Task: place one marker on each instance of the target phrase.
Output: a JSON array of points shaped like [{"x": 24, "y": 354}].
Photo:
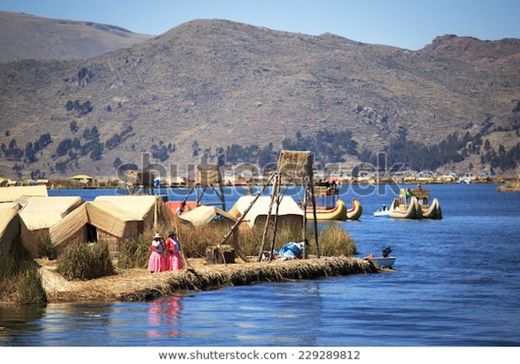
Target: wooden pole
[
  {"x": 155, "y": 217},
  {"x": 266, "y": 226},
  {"x": 221, "y": 197},
  {"x": 305, "y": 220},
  {"x": 237, "y": 223},
  {"x": 313, "y": 200},
  {"x": 188, "y": 195},
  {"x": 222, "y": 193},
  {"x": 186, "y": 264},
  {"x": 202, "y": 194},
  {"x": 278, "y": 201},
  {"x": 236, "y": 245}
]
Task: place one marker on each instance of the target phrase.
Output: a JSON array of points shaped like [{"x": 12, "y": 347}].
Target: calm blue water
[{"x": 456, "y": 283}]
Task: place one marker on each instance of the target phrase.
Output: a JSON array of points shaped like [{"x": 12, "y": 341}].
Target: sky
[{"x": 402, "y": 23}]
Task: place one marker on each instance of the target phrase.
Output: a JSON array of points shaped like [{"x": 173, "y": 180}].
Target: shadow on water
[{"x": 17, "y": 320}]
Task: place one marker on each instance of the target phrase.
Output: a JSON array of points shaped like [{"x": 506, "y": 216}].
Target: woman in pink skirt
[
  {"x": 156, "y": 260},
  {"x": 173, "y": 255}
]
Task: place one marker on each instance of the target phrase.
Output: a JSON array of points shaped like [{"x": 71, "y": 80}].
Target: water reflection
[
  {"x": 164, "y": 314},
  {"x": 18, "y": 319}
]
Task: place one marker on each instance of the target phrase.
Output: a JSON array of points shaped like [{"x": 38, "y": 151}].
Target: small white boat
[
  {"x": 386, "y": 261},
  {"x": 382, "y": 213},
  {"x": 383, "y": 262}
]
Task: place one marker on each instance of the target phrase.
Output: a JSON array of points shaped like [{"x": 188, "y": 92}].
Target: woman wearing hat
[
  {"x": 173, "y": 255},
  {"x": 156, "y": 258}
]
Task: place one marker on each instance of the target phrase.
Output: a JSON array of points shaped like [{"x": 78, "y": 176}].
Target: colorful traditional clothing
[
  {"x": 156, "y": 261},
  {"x": 173, "y": 255}
]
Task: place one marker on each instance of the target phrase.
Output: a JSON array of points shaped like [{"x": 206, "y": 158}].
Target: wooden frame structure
[
  {"x": 208, "y": 176},
  {"x": 293, "y": 167}
]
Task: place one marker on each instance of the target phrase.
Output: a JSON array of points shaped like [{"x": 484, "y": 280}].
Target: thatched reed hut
[
  {"x": 9, "y": 225},
  {"x": 38, "y": 214},
  {"x": 289, "y": 213},
  {"x": 110, "y": 218}
]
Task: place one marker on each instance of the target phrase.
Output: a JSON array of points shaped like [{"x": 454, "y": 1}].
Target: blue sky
[{"x": 402, "y": 23}]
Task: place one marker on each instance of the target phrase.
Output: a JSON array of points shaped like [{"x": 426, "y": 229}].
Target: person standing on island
[
  {"x": 156, "y": 257},
  {"x": 173, "y": 252}
]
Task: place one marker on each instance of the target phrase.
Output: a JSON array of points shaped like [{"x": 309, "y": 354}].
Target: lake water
[{"x": 456, "y": 282}]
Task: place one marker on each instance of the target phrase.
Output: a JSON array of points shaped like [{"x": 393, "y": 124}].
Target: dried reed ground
[{"x": 140, "y": 285}]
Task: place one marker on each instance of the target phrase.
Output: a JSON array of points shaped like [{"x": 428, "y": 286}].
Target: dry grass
[
  {"x": 334, "y": 241},
  {"x": 85, "y": 261},
  {"x": 20, "y": 281},
  {"x": 45, "y": 246}
]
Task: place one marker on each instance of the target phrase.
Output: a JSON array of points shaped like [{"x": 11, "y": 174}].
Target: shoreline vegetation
[
  {"x": 510, "y": 187},
  {"x": 114, "y": 183},
  {"x": 87, "y": 272}
]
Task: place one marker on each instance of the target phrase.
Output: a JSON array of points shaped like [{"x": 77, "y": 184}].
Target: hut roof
[
  {"x": 43, "y": 212},
  {"x": 69, "y": 226},
  {"x": 135, "y": 207},
  {"x": 10, "y": 194},
  {"x": 261, "y": 208},
  {"x": 9, "y": 225},
  {"x": 81, "y": 176},
  {"x": 7, "y": 211},
  {"x": 115, "y": 215},
  {"x": 203, "y": 215}
]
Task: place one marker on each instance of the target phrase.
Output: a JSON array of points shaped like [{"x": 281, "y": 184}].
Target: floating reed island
[
  {"x": 140, "y": 285},
  {"x": 98, "y": 250}
]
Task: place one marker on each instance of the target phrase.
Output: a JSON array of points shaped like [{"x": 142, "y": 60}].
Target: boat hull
[
  {"x": 434, "y": 211},
  {"x": 383, "y": 262},
  {"x": 384, "y": 213},
  {"x": 356, "y": 211},
  {"x": 412, "y": 211},
  {"x": 339, "y": 212}
]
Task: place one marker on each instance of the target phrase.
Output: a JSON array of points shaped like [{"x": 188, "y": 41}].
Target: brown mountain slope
[
  {"x": 25, "y": 36},
  {"x": 217, "y": 83}
]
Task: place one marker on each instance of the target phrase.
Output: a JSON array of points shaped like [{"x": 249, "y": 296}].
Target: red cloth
[
  {"x": 164, "y": 263},
  {"x": 175, "y": 261},
  {"x": 173, "y": 257}
]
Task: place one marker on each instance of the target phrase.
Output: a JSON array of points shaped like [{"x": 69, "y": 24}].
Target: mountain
[
  {"x": 215, "y": 85},
  {"x": 24, "y": 36}
]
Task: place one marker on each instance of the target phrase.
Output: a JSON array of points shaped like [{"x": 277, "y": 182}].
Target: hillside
[
  {"x": 25, "y": 36},
  {"x": 214, "y": 83}
]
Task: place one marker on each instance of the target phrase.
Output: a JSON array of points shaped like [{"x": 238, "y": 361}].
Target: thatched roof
[
  {"x": 203, "y": 215},
  {"x": 43, "y": 212},
  {"x": 10, "y": 194},
  {"x": 9, "y": 225},
  {"x": 288, "y": 207}
]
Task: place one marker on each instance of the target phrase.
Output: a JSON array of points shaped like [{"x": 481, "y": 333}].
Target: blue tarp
[{"x": 291, "y": 250}]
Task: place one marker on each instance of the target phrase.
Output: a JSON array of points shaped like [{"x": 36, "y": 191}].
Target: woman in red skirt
[{"x": 173, "y": 255}]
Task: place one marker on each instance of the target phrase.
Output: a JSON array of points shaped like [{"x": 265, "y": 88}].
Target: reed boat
[
  {"x": 402, "y": 210},
  {"x": 330, "y": 207},
  {"x": 354, "y": 213},
  {"x": 415, "y": 204}
]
